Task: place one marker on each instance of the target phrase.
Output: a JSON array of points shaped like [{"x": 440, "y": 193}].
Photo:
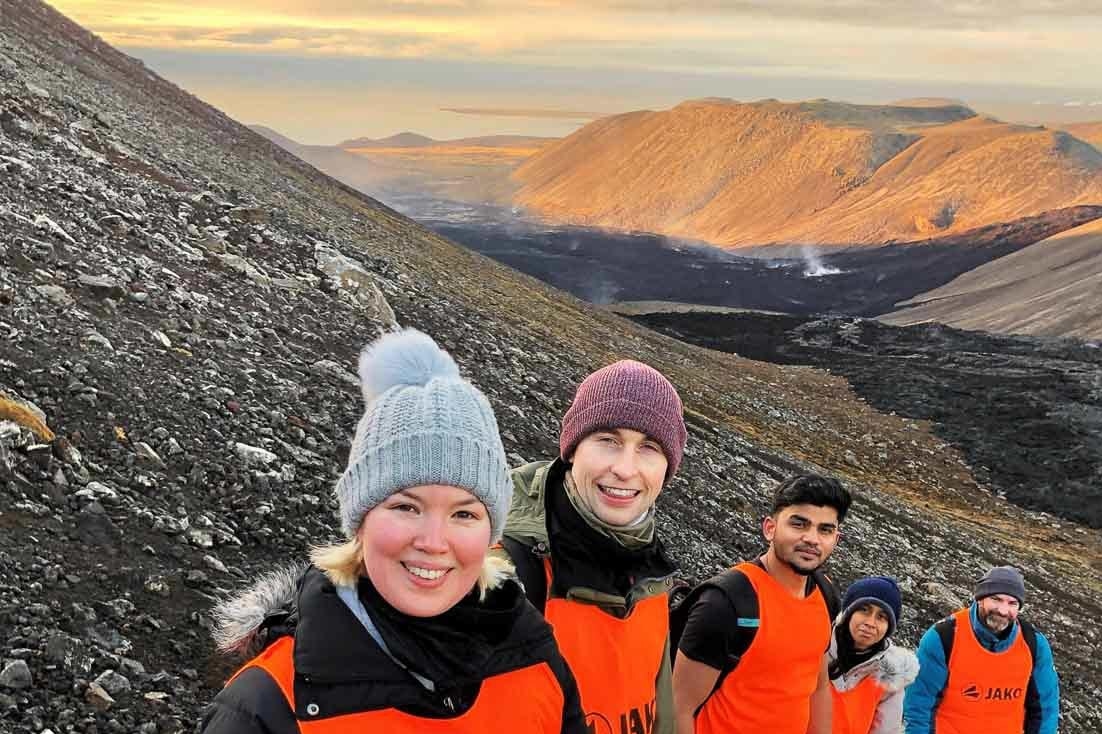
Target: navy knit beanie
[{"x": 882, "y": 591}]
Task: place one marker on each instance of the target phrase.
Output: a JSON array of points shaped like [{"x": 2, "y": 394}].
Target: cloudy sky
[{"x": 324, "y": 70}]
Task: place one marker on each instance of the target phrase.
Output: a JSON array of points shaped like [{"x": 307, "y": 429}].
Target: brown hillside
[
  {"x": 401, "y": 140},
  {"x": 467, "y": 169},
  {"x": 927, "y": 102},
  {"x": 238, "y": 331},
  {"x": 1049, "y": 288},
  {"x": 1088, "y": 131},
  {"x": 816, "y": 172}
]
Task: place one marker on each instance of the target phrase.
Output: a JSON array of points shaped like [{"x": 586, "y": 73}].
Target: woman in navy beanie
[{"x": 867, "y": 671}]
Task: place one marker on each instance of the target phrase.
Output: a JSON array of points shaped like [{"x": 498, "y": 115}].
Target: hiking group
[{"x": 468, "y": 597}]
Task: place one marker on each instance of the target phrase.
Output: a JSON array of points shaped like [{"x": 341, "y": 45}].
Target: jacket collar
[
  {"x": 586, "y": 562},
  {"x": 338, "y": 665},
  {"x": 244, "y": 623},
  {"x": 894, "y": 668},
  {"x": 527, "y": 522},
  {"x": 329, "y": 640}
]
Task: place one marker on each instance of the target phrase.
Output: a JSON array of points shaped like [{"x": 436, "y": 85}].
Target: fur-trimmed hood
[
  {"x": 342, "y": 667},
  {"x": 894, "y": 668},
  {"x": 243, "y": 620}
]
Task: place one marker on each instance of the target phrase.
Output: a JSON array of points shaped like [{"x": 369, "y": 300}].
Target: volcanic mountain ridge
[
  {"x": 182, "y": 303},
  {"x": 821, "y": 172}
]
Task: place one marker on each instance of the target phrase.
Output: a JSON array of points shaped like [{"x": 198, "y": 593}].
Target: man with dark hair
[
  {"x": 752, "y": 656},
  {"x": 985, "y": 669}
]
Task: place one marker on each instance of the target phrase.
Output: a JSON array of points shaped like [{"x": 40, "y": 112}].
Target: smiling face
[
  {"x": 423, "y": 547},
  {"x": 998, "y": 611},
  {"x": 868, "y": 625},
  {"x": 618, "y": 473},
  {"x": 802, "y": 536}
]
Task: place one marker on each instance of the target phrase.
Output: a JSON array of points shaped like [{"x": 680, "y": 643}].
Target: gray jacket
[{"x": 894, "y": 669}]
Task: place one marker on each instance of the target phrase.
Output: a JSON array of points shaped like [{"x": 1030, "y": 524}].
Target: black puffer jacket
[{"x": 340, "y": 669}]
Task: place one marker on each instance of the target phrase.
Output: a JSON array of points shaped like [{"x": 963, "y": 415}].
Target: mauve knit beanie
[{"x": 627, "y": 394}]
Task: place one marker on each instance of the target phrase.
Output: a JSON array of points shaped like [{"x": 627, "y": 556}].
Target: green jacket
[{"x": 527, "y": 527}]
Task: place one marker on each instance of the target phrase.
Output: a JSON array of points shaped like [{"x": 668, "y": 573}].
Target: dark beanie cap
[{"x": 1002, "y": 580}]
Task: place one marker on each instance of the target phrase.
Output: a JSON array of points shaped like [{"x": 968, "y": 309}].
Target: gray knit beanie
[
  {"x": 1002, "y": 580},
  {"x": 424, "y": 424}
]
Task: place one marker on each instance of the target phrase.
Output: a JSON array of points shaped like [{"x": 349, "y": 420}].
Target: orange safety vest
[
  {"x": 615, "y": 661},
  {"x": 985, "y": 690},
  {"x": 855, "y": 709},
  {"x": 528, "y": 700},
  {"x": 770, "y": 690}
]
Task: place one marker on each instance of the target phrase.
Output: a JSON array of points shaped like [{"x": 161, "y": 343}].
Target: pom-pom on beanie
[{"x": 423, "y": 424}]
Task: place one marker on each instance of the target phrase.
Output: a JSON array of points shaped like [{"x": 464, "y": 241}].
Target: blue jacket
[{"x": 1042, "y": 703}]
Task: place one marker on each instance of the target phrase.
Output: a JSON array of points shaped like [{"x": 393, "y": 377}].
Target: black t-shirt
[{"x": 712, "y": 630}]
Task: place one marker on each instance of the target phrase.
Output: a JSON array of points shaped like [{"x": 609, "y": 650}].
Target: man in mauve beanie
[
  {"x": 627, "y": 394},
  {"x": 581, "y": 533}
]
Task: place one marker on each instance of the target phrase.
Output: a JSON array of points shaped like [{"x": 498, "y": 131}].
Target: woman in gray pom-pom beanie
[{"x": 409, "y": 624}]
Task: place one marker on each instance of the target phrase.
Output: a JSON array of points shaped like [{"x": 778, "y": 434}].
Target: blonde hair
[{"x": 344, "y": 565}]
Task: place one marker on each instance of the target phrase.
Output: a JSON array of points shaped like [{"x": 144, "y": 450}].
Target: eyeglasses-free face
[{"x": 423, "y": 547}]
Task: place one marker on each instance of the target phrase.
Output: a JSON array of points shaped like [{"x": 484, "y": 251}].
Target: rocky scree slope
[{"x": 181, "y": 305}]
